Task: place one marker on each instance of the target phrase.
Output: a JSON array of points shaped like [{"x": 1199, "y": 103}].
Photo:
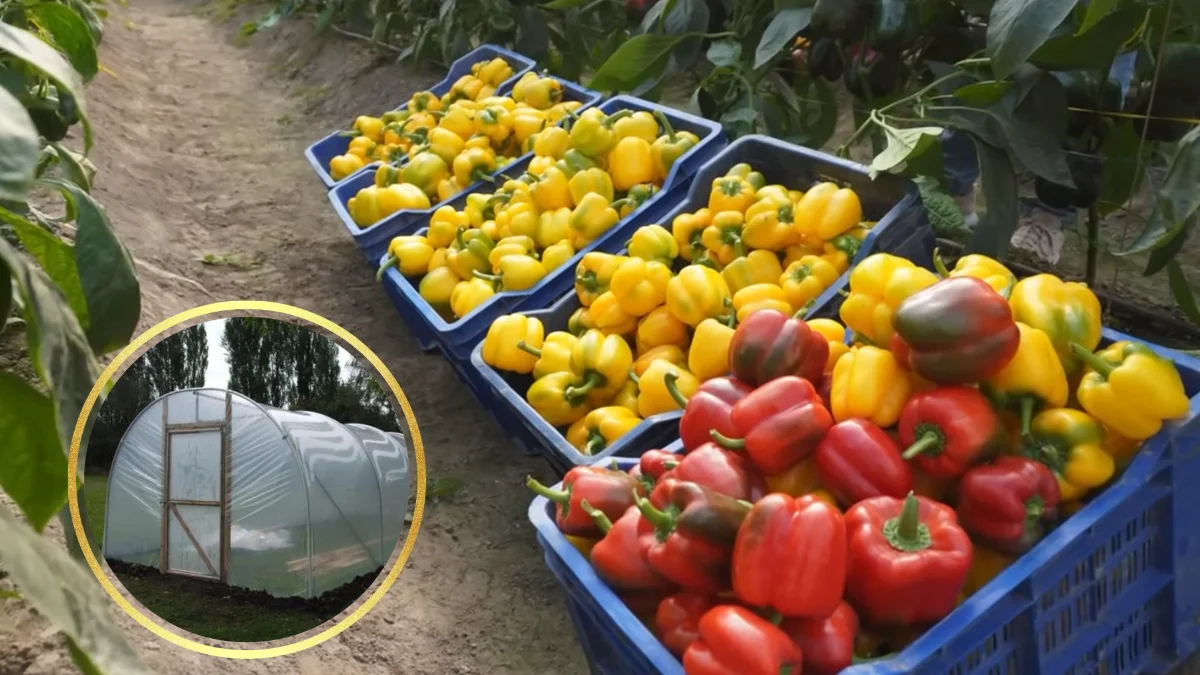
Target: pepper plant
[{"x": 68, "y": 287}]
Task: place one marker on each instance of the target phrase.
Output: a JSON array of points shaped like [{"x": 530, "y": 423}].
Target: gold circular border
[{"x": 263, "y": 652}]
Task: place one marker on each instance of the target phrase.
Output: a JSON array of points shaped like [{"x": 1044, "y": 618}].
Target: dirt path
[{"x": 200, "y": 150}]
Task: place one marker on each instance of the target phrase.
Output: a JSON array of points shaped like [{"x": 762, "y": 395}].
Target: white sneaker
[{"x": 966, "y": 204}]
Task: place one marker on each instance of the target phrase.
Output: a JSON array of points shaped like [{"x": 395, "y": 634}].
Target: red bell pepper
[
  {"x": 644, "y": 604},
  {"x": 655, "y": 464},
  {"x": 695, "y": 534},
  {"x": 778, "y": 425},
  {"x": 948, "y": 430},
  {"x": 678, "y": 619},
  {"x": 857, "y": 460},
  {"x": 770, "y": 344},
  {"x": 608, "y": 490},
  {"x": 736, "y": 641},
  {"x": 723, "y": 471},
  {"x": 908, "y": 560},
  {"x": 828, "y": 644},
  {"x": 1008, "y": 503},
  {"x": 825, "y": 390},
  {"x": 790, "y": 556},
  {"x": 620, "y": 557},
  {"x": 709, "y": 408},
  {"x": 958, "y": 331}
]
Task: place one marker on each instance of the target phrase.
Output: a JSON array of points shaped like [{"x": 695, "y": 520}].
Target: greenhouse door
[{"x": 195, "y": 539}]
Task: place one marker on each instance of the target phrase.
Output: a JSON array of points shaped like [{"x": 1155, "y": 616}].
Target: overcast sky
[{"x": 217, "y": 374}]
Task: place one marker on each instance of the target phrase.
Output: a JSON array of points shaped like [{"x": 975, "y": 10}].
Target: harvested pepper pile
[
  {"x": 584, "y": 177},
  {"x": 646, "y": 336},
  {"x": 835, "y": 499}
]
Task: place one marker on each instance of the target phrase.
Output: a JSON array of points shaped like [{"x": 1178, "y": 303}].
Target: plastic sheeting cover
[{"x": 389, "y": 456}]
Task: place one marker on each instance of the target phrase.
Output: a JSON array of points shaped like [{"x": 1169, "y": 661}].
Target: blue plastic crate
[
  {"x": 457, "y": 338},
  {"x": 901, "y": 230},
  {"x": 373, "y": 240},
  {"x": 318, "y": 154},
  {"x": 1106, "y": 593}
]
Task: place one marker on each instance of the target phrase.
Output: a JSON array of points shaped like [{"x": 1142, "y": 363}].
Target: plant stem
[{"x": 1093, "y": 246}]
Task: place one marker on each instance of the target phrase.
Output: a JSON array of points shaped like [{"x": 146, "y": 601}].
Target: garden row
[{"x": 611, "y": 279}]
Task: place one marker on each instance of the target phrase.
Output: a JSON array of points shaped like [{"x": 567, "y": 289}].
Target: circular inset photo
[{"x": 247, "y": 479}]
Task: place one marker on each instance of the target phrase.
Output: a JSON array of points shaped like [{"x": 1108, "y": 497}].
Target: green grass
[{"x": 95, "y": 493}]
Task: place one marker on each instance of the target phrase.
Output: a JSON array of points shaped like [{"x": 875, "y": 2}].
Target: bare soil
[{"x": 200, "y": 141}]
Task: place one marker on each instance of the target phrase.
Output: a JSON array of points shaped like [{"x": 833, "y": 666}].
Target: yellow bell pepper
[
  {"x": 1032, "y": 379},
  {"x": 511, "y": 245},
  {"x": 439, "y": 258},
  {"x": 599, "y": 364},
  {"x": 748, "y": 174},
  {"x": 986, "y": 564},
  {"x": 424, "y": 101},
  {"x": 580, "y": 322},
  {"x": 539, "y": 165},
  {"x": 1067, "y": 311},
  {"x": 495, "y": 72},
  {"x": 592, "y": 133},
  {"x": 826, "y": 211},
  {"x": 723, "y": 238},
  {"x": 594, "y": 274},
  {"x": 797, "y": 251},
  {"x": 468, "y": 295},
  {"x": 479, "y": 141},
  {"x": 516, "y": 272},
  {"x": 758, "y": 297},
  {"x": 654, "y": 242},
  {"x": 630, "y": 163},
  {"x": 769, "y": 224},
  {"x": 473, "y": 165},
  {"x": 445, "y": 144},
  {"x": 557, "y": 255},
  {"x": 410, "y": 254},
  {"x": 593, "y": 216},
  {"x": 370, "y": 127},
  {"x": 772, "y": 194},
  {"x": 1071, "y": 443},
  {"x": 590, "y": 181},
  {"x": 1130, "y": 389},
  {"x": 663, "y": 387},
  {"x": 825, "y": 497},
  {"x": 523, "y": 220},
  {"x": 361, "y": 147},
  {"x": 806, "y": 279},
  {"x": 496, "y": 123},
  {"x": 552, "y": 356},
  {"x": 490, "y": 228},
  {"x": 671, "y": 353},
  {"x": 437, "y": 288},
  {"x": 979, "y": 266},
  {"x": 627, "y": 397},
  {"x": 799, "y": 480},
  {"x": 443, "y": 226},
  {"x": 552, "y": 142},
  {"x": 526, "y": 123},
  {"x": 608, "y": 316},
  {"x": 522, "y": 85},
  {"x": 668, "y": 148},
  {"x": 640, "y": 124},
  {"x": 552, "y": 190},
  {"x": 698, "y": 293},
  {"x": 660, "y": 328},
  {"x": 835, "y": 333},
  {"x": 553, "y": 227},
  {"x": 460, "y": 121},
  {"x": 549, "y": 398},
  {"x": 708, "y": 356},
  {"x": 344, "y": 165},
  {"x": 478, "y": 209},
  {"x": 640, "y": 286},
  {"x": 756, "y": 267},
  {"x": 373, "y": 204},
  {"x": 688, "y": 230},
  {"x": 840, "y": 251},
  {"x": 731, "y": 193},
  {"x": 544, "y": 92},
  {"x": 869, "y": 383},
  {"x": 470, "y": 252},
  {"x": 501, "y": 348},
  {"x": 601, "y": 428},
  {"x": 877, "y": 287}
]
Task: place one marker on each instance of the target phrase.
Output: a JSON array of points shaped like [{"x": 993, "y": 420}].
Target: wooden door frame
[{"x": 224, "y": 427}]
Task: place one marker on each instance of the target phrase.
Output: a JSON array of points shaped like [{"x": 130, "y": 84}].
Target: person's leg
[{"x": 961, "y": 168}]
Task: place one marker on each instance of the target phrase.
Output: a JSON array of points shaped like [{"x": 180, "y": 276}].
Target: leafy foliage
[{"x": 278, "y": 363}]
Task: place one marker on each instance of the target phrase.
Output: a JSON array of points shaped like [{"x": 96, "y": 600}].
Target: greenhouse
[{"x": 207, "y": 483}]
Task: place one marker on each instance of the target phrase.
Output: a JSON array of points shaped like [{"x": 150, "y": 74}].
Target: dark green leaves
[
  {"x": 982, "y": 94},
  {"x": 56, "y": 257},
  {"x": 1182, "y": 292},
  {"x": 723, "y": 53},
  {"x": 903, "y": 144},
  {"x": 997, "y": 224},
  {"x": 18, "y": 148},
  {"x": 780, "y": 32},
  {"x": 1018, "y": 27},
  {"x": 70, "y": 34},
  {"x": 634, "y": 61},
  {"x": 1121, "y": 172},
  {"x": 1177, "y": 201},
  {"x": 29, "y": 48},
  {"x": 1094, "y": 48},
  {"x": 33, "y": 469}
]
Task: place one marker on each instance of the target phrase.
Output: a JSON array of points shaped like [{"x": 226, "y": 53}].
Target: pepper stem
[
  {"x": 574, "y": 393},
  {"x": 620, "y": 114},
  {"x": 727, "y": 442},
  {"x": 802, "y": 313},
  {"x": 1104, "y": 368},
  {"x": 661, "y": 520},
  {"x": 1035, "y": 508},
  {"x": 556, "y": 496},
  {"x": 776, "y": 618},
  {"x": 595, "y": 444},
  {"x": 669, "y": 381},
  {"x": 531, "y": 350},
  {"x": 906, "y": 532},
  {"x": 388, "y": 263},
  {"x": 666, "y": 124},
  {"x": 1008, "y": 288},
  {"x": 458, "y": 237},
  {"x": 494, "y": 278},
  {"x": 927, "y": 441},
  {"x": 1028, "y": 403},
  {"x": 939, "y": 265},
  {"x": 602, "y": 522},
  {"x": 633, "y": 377}
]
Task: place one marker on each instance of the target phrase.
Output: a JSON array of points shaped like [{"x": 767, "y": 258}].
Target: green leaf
[
  {"x": 57, "y": 344},
  {"x": 9, "y": 595},
  {"x": 902, "y": 144},
  {"x": 1016, "y": 28},
  {"x": 564, "y": 4},
  {"x": 982, "y": 94},
  {"x": 724, "y": 53},
  {"x": 633, "y": 61},
  {"x": 1093, "y": 49},
  {"x": 780, "y": 33},
  {"x": 67, "y": 595},
  {"x": 6, "y": 295},
  {"x": 73, "y": 167},
  {"x": 33, "y": 465},
  {"x": 943, "y": 212},
  {"x": 690, "y": 19},
  {"x": 1182, "y": 292},
  {"x": 446, "y": 486},
  {"x": 71, "y": 35},
  {"x": 1121, "y": 175},
  {"x": 1178, "y": 199},
  {"x": 56, "y": 257},
  {"x": 1097, "y": 10},
  {"x": 93, "y": 20},
  {"x": 324, "y": 19},
  {"x": 18, "y": 148},
  {"x": 29, "y": 48},
  {"x": 996, "y": 226},
  {"x": 1161, "y": 256},
  {"x": 533, "y": 35},
  {"x": 652, "y": 17},
  {"x": 106, "y": 272}
]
